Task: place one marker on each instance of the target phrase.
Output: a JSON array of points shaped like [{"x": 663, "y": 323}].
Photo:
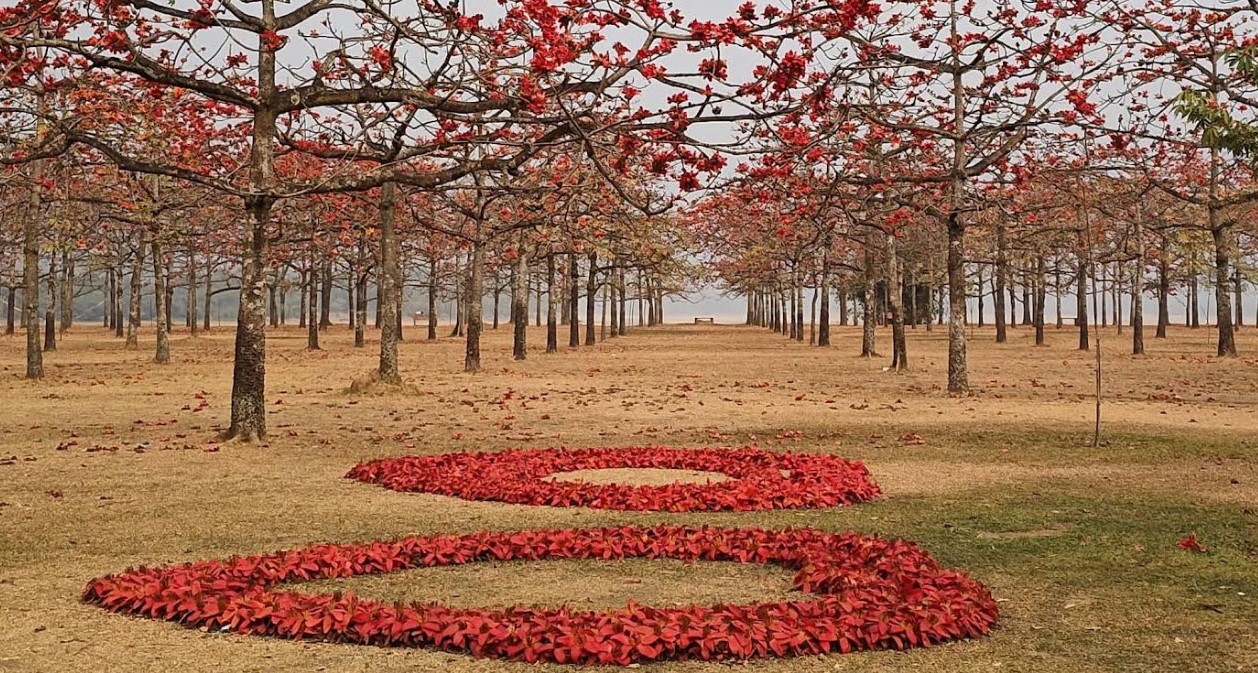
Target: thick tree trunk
[
  {"x": 432, "y": 300},
  {"x": 1041, "y": 297},
  {"x": 111, "y": 284},
  {"x": 312, "y": 306},
  {"x": 137, "y": 277},
  {"x": 1164, "y": 289},
  {"x": 823, "y": 330},
  {"x": 50, "y": 309},
  {"x": 574, "y": 301},
  {"x": 620, "y": 292},
  {"x": 843, "y": 319},
  {"x": 798, "y": 292},
  {"x": 191, "y": 300},
  {"x": 1137, "y": 301},
  {"x": 325, "y": 295},
  {"x": 520, "y": 304},
  {"x": 591, "y": 294},
  {"x": 1057, "y": 294},
  {"x": 1222, "y": 285},
  {"x": 870, "y": 318},
  {"x": 552, "y": 306},
  {"x": 209, "y": 293},
  {"x": 358, "y": 307},
  {"x": 248, "y": 400},
  {"x": 162, "y": 318},
  {"x": 999, "y": 278},
  {"x": 273, "y": 303},
  {"x": 67, "y": 292},
  {"x": 613, "y": 303},
  {"x": 895, "y": 296},
  {"x": 475, "y": 297},
  {"x": 958, "y": 377},
  {"x": 389, "y": 282},
  {"x": 10, "y": 312}
]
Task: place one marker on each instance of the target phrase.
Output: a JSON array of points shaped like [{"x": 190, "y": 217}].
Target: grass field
[{"x": 113, "y": 462}]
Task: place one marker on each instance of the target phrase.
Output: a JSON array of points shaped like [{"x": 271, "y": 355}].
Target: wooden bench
[
  {"x": 420, "y": 317},
  {"x": 705, "y": 321}
]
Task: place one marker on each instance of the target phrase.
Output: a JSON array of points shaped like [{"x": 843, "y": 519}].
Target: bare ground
[{"x": 114, "y": 462}]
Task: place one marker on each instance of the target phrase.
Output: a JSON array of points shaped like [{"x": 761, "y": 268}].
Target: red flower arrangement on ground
[
  {"x": 759, "y": 479},
  {"x": 869, "y": 594}
]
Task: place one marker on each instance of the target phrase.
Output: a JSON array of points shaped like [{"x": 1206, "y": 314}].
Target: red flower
[
  {"x": 760, "y": 479},
  {"x": 871, "y": 594},
  {"x": 1190, "y": 543}
]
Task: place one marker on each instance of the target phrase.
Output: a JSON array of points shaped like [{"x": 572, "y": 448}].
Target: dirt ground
[{"x": 113, "y": 462}]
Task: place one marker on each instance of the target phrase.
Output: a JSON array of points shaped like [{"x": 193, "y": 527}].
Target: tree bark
[
  {"x": 552, "y": 306},
  {"x": 67, "y": 292},
  {"x": 475, "y": 298},
  {"x": 868, "y": 333},
  {"x": 432, "y": 299},
  {"x": 895, "y": 296},
  {"x": 1164, "y": 289},
  {"x": 162, "y": 318},
  {"x": 520, "y": 303},
  {"x": 312, "y": 306},
  {"x": 209, "y": 293},
  {"x": 999, "y": 278},
  {"x": 50, "y": 308},
  {"x": 137, "y": 278},
  {"x": 389, "y": 281},
  {"x": 574, "y": 301},
  {"x": 191, "y": 300},
  {"x": 1041, "y": 297},
  {"x": 325, "y": 295},
  {"x": 958, "y": 376},
  {"x": 591, "y": 293}
]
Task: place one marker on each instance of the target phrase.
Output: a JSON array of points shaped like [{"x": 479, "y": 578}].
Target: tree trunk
[
  {"x": 248, "y": 416},
  {"x": 432, "y": 299},
  {"x": 999, "y": 278},
  {"x": 1081, "y": 301},
  {"x": 823, "y": 330},
  {"x": 312, "y": 307},
  {"x": 520, "y": 303},
  {"x": 389, "y": 281},
  {"x": 1164, "y": 289},
  {"x": 1041, "y": 297},
  {"x": 475, "y": 297},
  {"x": 191, "y": 308},
  {"x": 1222, "y": 282},
  {"x": 325, "y": 296},
  {"x": 1137, "y": 298},
  {"x": 67, "y": 292},
  {"x": 10, "y": 312},
  {"x": 591, "y": 293},
  {"x": 358, "y": 307},
  {"x": 620, "y": 292},
  {"x": 50, "y": 309},
  {"x": 162, "y": 317},
  {"x": 958, "y": 377},
  {"x": 574, "y": 301},
  {"x": 137, "y": 271},
  {"x": 209, "y": 293},
  {"x": 868, "y": 332},
  {"x": 895, "y": 296},
  {"x": 552, "y": 306}
]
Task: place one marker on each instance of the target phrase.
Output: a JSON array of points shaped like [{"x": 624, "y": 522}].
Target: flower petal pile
[
  {"x": 869, "y": 593},
  {"x": 759, "y": 479}
]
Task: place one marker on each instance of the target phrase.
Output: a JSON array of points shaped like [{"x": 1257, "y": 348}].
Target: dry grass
[{"x": 130, "y": 450}]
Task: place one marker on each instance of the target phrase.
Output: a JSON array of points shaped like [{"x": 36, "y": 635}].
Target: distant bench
[{"x": 705, "y": 321}]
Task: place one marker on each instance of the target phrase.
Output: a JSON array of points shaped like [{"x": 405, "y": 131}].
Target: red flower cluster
[
  {"x": 870, "y": 593},
  {"x": 760, "y": 479}
]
